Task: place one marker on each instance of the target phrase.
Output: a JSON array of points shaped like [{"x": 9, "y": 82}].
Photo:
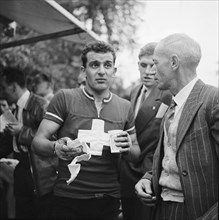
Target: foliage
[
  {"x": 115, "y": 19},
  {"x": 59, "y": 58}
]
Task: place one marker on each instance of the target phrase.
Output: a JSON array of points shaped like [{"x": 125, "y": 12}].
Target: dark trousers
[
  {"x": 28, "y": 205},
  {"x": 3, "y": 202},
  {"x": 24, "y": 189},
  {"x": 44, "y": 206},
  {"x": 134, "y": 209},
  {"x": 170, "y": 211},
  {"x": 106, "y": 208}
]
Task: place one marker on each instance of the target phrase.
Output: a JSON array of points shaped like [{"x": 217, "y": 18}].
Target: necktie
[
  {"x": 140, "y": 100},
  {"x": 169, "y": 115},
  {"x": 16, "y": 112},
  {"x": 143, "y": 96},
  {"x": 15, "y": 144}
]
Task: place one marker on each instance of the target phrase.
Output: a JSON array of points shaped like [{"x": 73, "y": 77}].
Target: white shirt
[
  {"x": 21, "y": 103},
  {"x": 183, "y": 94},
  {"x": 139, "y": 100}
]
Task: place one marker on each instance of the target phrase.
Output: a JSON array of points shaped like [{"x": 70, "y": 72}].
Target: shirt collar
[
  {"x": 148, "y": 89},
  {"x": 143, "y": 87},
  {"x": 22, "y": 101},
  {"x": 90, "y": 96},
  {"x": 183, "y": 94}
]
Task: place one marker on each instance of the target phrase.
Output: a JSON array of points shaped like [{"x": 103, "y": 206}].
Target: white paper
[
  {"x": 6, "y": 118},
  {"x": 113, "y": 134},
  {"x": 11, "y": 162},
  {"x": 74, "y": 167}
]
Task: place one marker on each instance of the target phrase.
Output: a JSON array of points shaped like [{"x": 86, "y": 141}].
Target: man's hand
[
  {"x": 67, "y": 149},
  {"x": 144, "y": 192},
  {"x": 13, "y": 128},
  {"x": 123, "y": 141}
]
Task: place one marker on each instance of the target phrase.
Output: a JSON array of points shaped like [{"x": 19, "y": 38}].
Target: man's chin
[
  {"x": 149, "y": 84},
  {"x": 100, "y": 88}
]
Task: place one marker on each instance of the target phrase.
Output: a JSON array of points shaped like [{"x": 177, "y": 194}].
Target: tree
[
  {"x": 59, "y": 58},
  {"x": 114, "y": 19}
]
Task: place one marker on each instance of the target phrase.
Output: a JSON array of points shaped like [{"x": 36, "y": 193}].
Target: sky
[{"x": 198, "y": 19}]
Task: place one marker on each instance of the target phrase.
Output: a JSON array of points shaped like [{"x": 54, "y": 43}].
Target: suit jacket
[
  {"x": 147, "y": 124},
  {"x": 43, "y": 168},
  {"x": 197, "y": 153},
  {"x": 33, "y": 114}
]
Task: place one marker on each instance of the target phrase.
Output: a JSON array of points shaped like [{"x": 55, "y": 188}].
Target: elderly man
[{"x": 184, "y": 178}]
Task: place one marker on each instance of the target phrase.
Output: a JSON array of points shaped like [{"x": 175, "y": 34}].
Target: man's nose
[
  {"x": 153, "y": 70},
  {"x": 148, "y": 69},
  {"x": 101, "y": 70}
]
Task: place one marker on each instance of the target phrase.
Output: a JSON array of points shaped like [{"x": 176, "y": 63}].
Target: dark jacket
[
  {"x": 196, "y": 153},
  {"x": 147, "y": 125}
]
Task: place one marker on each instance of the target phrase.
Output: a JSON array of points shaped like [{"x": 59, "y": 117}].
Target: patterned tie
[{"x": 169, "y": 115}]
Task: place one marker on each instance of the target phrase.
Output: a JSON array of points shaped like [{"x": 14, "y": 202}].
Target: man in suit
[
  {"x": 184, "y": 178},
  {"x": 29, "y": 113},
  {"x": 149, "y": 111}
]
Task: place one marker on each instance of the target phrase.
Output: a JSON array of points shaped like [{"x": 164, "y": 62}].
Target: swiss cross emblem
[{"x": 96, "y": 137}]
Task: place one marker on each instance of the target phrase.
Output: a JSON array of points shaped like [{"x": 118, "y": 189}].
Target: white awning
[{"x": 46, "y": 17}]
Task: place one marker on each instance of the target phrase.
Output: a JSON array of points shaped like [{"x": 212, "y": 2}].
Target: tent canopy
[{"x": 46, "y": 17}]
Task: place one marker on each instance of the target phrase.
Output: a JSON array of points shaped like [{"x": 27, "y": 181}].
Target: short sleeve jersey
[{"x": 74, "y": 109}]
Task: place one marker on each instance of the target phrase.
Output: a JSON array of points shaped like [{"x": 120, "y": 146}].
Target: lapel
[
  {"x": 157, "y": 161},
  {"x": 30, "y": 102},
  {"x": 148, "y": 109},
  {"x": 192, "y": 105},
  {"x": 135, "y": 93}
]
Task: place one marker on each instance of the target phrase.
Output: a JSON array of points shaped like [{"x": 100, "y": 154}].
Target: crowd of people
[{"x": 86, "y": 153}]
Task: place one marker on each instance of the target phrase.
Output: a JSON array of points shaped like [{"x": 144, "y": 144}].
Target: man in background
[
  {"x": 43, "y": 85},
  {"x": 184, "y": 180},
  {"x": 81, "y": 80},
  {"x": 30, "y": 110},
  {"x": 45, "y": 169},
  {"x": 7, "y": 200},
  {"x": 149, "y": 104}
]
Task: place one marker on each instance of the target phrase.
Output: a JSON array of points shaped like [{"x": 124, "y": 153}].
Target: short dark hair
[
  {"x": 41, "y": 77},
  {"x": 97, "y": 47},
  {"x": 14, "y": 74},
  {"x": 147, "y": 49}
]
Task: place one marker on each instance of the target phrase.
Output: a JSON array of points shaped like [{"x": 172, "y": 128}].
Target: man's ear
[
  {"x": 82, "y": 69},
  {"x": 114, "y": 72},
  {"x": 175, "y": 62},
  {"x": 138, "y": 65}
]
